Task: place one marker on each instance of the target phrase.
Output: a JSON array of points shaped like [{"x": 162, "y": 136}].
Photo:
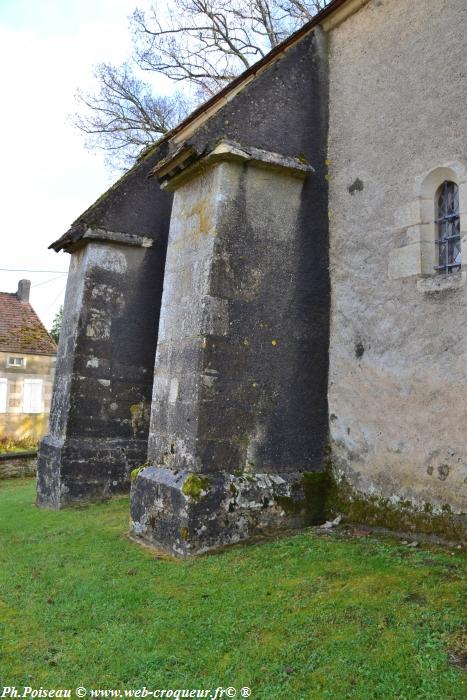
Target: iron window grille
[{"x": 448, "y": 228}]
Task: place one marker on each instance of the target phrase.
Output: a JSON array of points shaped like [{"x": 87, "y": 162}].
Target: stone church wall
[
  {"x": 398, "y": 358},
  {"x": 290, "y": 323}
]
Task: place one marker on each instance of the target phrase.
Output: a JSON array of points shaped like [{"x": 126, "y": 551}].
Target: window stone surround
[{"x": 417, "y": 256}]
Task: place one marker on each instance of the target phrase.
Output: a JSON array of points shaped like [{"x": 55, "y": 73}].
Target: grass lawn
[{"x": 308, "y": 616}]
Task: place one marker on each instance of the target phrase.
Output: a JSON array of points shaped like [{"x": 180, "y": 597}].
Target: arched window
[
  {"x": 435, "y": 227},
  {"x": 448, "y": 236}
]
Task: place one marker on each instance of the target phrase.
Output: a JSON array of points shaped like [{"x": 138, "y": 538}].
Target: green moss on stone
[
  {"x": 195, "y": 485},
  {"x": 317, "y": 487},
  {"x": 311, "y": 497},
  {"x": 139, "y": 415},
  {"x": 403, "y": 516},
  {"x": 184, "y": 533},
  {"x": 291, "y": 506},
  {"x": 137, "y": 471}
]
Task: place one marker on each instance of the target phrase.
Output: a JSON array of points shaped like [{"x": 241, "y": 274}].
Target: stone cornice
[
  {"x": 185, "y": 162},
  {"x": 101, "y": 234}
]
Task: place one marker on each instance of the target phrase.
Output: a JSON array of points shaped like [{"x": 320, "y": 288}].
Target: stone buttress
[
  {"x": 102, "y": 394},
  {"x": 228, "y": 455}
]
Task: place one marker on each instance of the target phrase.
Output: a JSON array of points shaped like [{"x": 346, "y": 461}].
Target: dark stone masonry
[
  {"x": 238, "y": 380},
  {"x": 201, "y": 342}
]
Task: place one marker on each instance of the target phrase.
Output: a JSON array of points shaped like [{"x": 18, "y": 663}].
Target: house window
[
  {"x": 32, "y": 396},
  {"x": 447, "y": 221},
  {"x": 16, "y": 362},
  {"x": 3, "y": 387}
]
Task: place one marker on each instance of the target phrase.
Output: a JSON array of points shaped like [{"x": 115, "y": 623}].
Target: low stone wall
[{"x": 18, "y": 464}]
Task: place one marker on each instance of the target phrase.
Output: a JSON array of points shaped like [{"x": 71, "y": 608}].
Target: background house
[{"x": 27, "y": 363}]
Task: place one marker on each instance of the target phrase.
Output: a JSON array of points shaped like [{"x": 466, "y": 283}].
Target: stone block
[
  {"x": 408, "y": 215},
  {"x": 405, "y": 262},
  {"x": 421, "y": 233},
  {"x": 230, "y": 395},
  {"x": 442, "y": 283},
  {"x": 83, "y": 470},
  {"x": 100, "y": 409},
  {"x": 186, "y": 513},
  {"x": 428, "y": 253}
]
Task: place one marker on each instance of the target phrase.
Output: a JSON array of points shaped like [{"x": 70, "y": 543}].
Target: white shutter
[
  {"x": 32, "y": 396},
  {"x": 3, "y": 386}
]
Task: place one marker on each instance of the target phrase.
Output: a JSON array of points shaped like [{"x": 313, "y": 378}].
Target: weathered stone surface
[
  {"x": 96, "y": 397},
  {"x": 189, "y": 513},
  {"x": 241, "y": 375},
  {"x": 132, "y": 206},
  {"x": 102, "y": 394},
  {"x": 227, "y": 380},
  {"x": 186, "y": 162},
  {"x": 232, "y": 384},
  {"x": 399, "y": 407},
  {"x": 17, "y": 465}
]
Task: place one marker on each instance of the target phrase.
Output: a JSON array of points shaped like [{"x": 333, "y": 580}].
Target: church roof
[
  {"x": 331, "y": 15},
  {"x": 191, "y": 123},
  {"x": 20, "y": 328}
]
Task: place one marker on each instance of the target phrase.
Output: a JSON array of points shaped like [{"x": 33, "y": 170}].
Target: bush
[{"x": 10, "y": 444}]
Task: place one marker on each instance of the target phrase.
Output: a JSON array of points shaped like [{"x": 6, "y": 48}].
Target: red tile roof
[{"x": 21, "y": 329}]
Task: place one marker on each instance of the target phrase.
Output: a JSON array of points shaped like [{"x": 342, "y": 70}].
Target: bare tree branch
[
  {"x": 302, "y": 10},
  {"x": 124, "y": 116},
  {"x": 202, "y": 43}
]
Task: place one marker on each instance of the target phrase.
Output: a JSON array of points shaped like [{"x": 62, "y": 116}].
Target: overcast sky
[{"x": 47, "y": 178}]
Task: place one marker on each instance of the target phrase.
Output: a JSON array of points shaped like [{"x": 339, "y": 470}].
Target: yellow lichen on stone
[
  {"x": 139, "y": 416},
  {"x": 201, "y": 210}
]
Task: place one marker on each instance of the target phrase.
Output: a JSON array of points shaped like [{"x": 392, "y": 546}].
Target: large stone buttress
[
  {"x": 228, "y": 451},
  {"x": 103, "y": 383}
]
